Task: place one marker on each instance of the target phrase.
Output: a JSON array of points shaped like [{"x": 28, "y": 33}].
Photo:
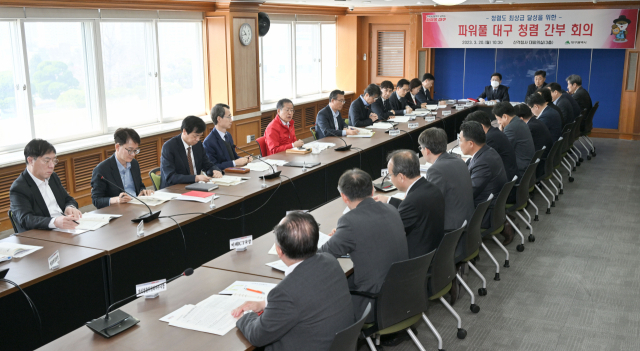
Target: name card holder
[
  {"x": 413, "y": 125},
  {"x": 394, "y": 132},
  {"x": 241, "y": 243}
]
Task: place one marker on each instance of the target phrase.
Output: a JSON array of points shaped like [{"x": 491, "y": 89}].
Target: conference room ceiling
[{"x": 390, "y": 3}]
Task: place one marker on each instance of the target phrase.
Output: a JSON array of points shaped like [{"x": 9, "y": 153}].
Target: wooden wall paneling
[
  {"x": 245, "y": 71},
  {"x": 217, "y": 65},
  {"x": 347, "y": 52},
  {"x": 310, "y": 114},
  {"x": 83, "y": 166},
  {"x": 376, "y": 29},
  {"x": 249, "y": 126},
  {"x": 7, "y": 177},
  {"x": 265, "y": 119},
  {"x": 297, "y": 119}
]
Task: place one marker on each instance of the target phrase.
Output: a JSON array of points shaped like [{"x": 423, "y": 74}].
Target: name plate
[
  {"x": 151, "y": 289},
  {"x": 241, "y": 243},
  {"x": 413, "y": 125},
  {"x": 140, "y": 229},
  {"x": 384, "y": 172},
  {"x": 394, "y": 132},
  {"x": 446, "y": 113},
  {"x": 54, "y": 260},
  {"x": 429, "y": 118}
]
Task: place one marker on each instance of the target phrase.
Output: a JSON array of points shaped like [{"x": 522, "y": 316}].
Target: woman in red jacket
[{"x": 280, "y": 134}]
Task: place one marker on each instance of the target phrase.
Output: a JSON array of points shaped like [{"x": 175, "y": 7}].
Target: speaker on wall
[{"x": 263, "y": 23}]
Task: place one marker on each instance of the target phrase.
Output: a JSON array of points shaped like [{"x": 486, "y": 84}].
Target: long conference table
[{"x": 198, "y": 235}]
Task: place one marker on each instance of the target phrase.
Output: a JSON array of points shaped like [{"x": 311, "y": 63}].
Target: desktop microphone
[
  {"x": 388, "y": 186},
  {"x": 343, "y": 148},
  {"x": 146, "y": 217},
  {"x": 273, "y": 174},
  {"x": 120, "y": 320}
]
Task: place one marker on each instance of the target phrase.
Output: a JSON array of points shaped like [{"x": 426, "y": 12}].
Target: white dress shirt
[
  {"x": 193, "y": 160},
  {"x": 49, "y": 198}
]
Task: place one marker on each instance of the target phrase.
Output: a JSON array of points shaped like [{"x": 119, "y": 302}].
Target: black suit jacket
[
  {"x": 583, "y": 98},
  {"x": 566, "y": 109},
  {"x": 101, "y": 191},
  {"x": 424, "y": 95},
  {"x": 574, "y": 104},
  {"x": 382, "y": 109},
  {"x": 487, "y": 177},
  {"x": 305, "y": 310},
  {"x": 541, "y": 137},
  {"x": 27, "y": 204},
  {"x": 326, "y": 126},
  {"x": 422, "y": 213},
  {"x": 411, "y": 102},
  {"x": 502, "y": 94},
  {"x": 216, "y": 150},
  {"x": 532, "y": 89},
  {"x": 559, "y": 111},
  {"x": 174, "y": 166},
  {"x": 500, "y": 142},
  {"x": 552, "y": 120},
  {"x": 359, "y": 114},
  {"x": 398, "y": 104}
]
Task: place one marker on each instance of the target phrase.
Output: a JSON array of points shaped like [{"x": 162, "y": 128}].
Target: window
[
  {"x": 182, "y": 78},
  {"x": 297, "y": 59},
  {"x": 81, "y": 76}
]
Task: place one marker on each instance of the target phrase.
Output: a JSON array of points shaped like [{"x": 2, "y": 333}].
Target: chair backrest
[
  {"x": 568, "y": 130},
  {"x": 474, "y": 229},
  {"x": 443, "y": 267},
  {"x": 346, "y": 121},
  {"x": 538, "y": 154},
  {"x": 551, "y": 156},
  {"x": 498, "y": 213},
  {"x": 522, "y": 190},
  {"x": 575, "y": 133},
  {"x": 313, "y": 131},
  {"x": 13, "y": 224},
  {"x": 347, "y": 339},
  {"x": 557, "y": 156},
  {"x": 588, "y": 123},
  {"x": 262, "y": 144},
  {"x": 402, "y": 294},
  {"x": 156, "y": 179}
]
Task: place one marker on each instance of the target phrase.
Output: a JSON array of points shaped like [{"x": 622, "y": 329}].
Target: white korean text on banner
[{"x": 566, "y": 29}]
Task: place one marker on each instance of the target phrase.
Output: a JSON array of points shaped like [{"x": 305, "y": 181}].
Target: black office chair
[
  {"x": 498, "y": 215},
  {"x": 401, "y": 300},
  {"x": 567, "y": 160},
  {"x": 539, "y": 171},
  {"x": 473, "y": 242},
  {"x": 522, "y": 199},
  {"x": 443, "y": 273},
  {"x": 13, "y": 224},
  {"x": 155, "y": 178},
  {"x": 588, "y": 126},
  {"x": 557, "y": 162},
  {"x": 575, "y": 134},
  {"x": 548, "y": 173},
  {"x": 313, "y": 132},
  {"x": 347, "y": 339}
]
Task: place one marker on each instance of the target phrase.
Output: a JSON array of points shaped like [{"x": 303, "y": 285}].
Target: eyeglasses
[
  {"x": 132, "y": 152},
  {"x": 48, "y": 160},
  {"x": 342, "y": 101},
  {"x": 229, "y": 117},
  {"x": 287, "y": 110}
]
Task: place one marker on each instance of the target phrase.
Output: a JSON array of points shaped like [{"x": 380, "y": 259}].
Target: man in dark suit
[
  {"x": 539, "y": 133},
  {"x": 397, "y": 99},
  {"x": 329, "y": 121},
  {"x": 450, "y": 174},
  {"x": 485, "y": 167},
  {"x": 422, "y": 210},
  {"x": 577, "y": 111},
  {"x": 218, "y": 145},
  {"x": 122, "y": 169},
  {"x": 183, "y": 157},
  {"x": 498, "y": 141},
  {"x": 372, "y": 233},
  {"x": 538, "y": 82},
  {"x": 546, "y": 94},
  {"x": 496, "y": 91},
  {"x": 518, "y": 134},
  {"x": 424, "y": 95},
  {"x": 37, "y": 198},
  {"x": 580, "y": 94},
  {"x": 310, "y": 305},
  {"x": 382, "y": 107},
  {"x": 546, "y": 115},
  {"x": 360, "y": 114},
  {"x": 562, "y": 102}
]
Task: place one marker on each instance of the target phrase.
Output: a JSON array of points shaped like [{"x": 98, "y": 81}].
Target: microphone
[
  {"x": 388, "y": 186},
  {"x": 343, "y": 148},
  {"x": 146, "y": 217},
  {"x": 273, "y": 174},
  {"x": 119, "y": 320}
]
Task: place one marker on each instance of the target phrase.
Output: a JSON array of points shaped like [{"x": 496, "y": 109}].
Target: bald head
[{"x": 297, "y": 235}]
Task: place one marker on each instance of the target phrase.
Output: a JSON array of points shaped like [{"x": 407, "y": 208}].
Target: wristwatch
[{"x": 247, "y": 312}]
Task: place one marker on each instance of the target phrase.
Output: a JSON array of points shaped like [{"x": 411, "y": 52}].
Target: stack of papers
[
  {"x": 211, "y": 315},
  {"x": 156, "y": 199},
  {"x": 363, "y": 132},
  {"x": 400, "y": 196},
  {"x": 380, "y": 125},
  {"x": 403, "y": 119},
  {"x": 250, "y": 291},
  {"x": 257, "y": 166},
  {"x": 319, "y": 145},
  {"x": 17, "y": 250},
  {"x": 227, "y": 180},
  {"x": 425, "y": 167},
  {"x": 93, "y": 221},
  {"x": 198, "y": 196}
]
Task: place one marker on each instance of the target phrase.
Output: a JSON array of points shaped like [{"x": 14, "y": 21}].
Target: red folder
[{"x": 201, "y": 194}]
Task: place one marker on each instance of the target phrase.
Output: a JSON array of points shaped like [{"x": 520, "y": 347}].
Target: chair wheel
[
  {"x": 557, "y": 198},
  {"x": 593, "y": 154},
  {"x": 578, "y": 163},
  {"x": 532, "y": 238},
  {"x": 474, "y": 308},
  {"x": 589, "y": 157},
  {"x": 553, "y": 203},
  {"x": 571, "y": 179},
  {"x": 573, "y": 169},
  {"x": 548, "y": 210},
  {"x": 506, "y": 264},
  {"x": 482, "y": 291},
  {"x": 536, "y": 218},
  {"x": 561, "y": 191},
  {"x": 497, "y": 277},
  {"x": 462, "y": 333},
  {"x": 520, "y": 248}
]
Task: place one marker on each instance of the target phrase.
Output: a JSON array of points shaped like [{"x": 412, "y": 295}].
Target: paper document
[
  {"x": 71, "y": 231},
  {"x": 319, "y": 145},
  {"x": 177, "y": 313},
  {"x": 93, "y": 221},
  {"x": 240, "y": 286},
  {"x": 346, "y": 210},
  {"x": 212, "y": 315},
  {"x": 150, "y": 200},
  {"x": 400, "y": 196},
  {"x": 362, "y": 133},
  {"x": 425, "y": 167},
  {"x": 275, "y": 162},
  {"x": 197, "y": 199},
  {"x": 17, "y": 250},
  {"x": 380, "y": 125},
  {"x": 323, "y": 238},
  {"x": 257, "y": 166},
  {"x": 279, "y": 265},
  {"x": 227, "y": 180},
  {"x": 402, "y": 119},
  {"x": 5, "y": 258}
]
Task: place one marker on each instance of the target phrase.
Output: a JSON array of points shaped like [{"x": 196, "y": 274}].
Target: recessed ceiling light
[{"x": 366, "y": 2}]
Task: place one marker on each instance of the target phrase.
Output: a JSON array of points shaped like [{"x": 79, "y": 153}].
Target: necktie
[
  {"x": 190, "y": 161},
  {"x": 386, "y": 105}
]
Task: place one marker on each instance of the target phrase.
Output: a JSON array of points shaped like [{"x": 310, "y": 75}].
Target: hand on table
[
  {"x": 332, "y": 232},
  {"x": 381, "y": 198},
  {"x": 255, "y": 306},
  {"x": 146, "y": 192},
  {"x": 203, "y": 178},
  {"x": 298, "y": 143},
  {"x": 72, "y": 212},
  {"x": 352, "y": 131}
]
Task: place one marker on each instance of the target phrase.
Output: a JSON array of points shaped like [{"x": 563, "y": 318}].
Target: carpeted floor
[{"x": 577, "y": 286}]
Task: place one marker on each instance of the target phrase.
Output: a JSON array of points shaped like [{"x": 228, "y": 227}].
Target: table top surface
[
  {"x": 34, "y": 267},
  {"x": 152, "y": 334}
]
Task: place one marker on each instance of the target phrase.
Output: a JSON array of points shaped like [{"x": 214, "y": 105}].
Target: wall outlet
[{"x": 251, "y": 138}]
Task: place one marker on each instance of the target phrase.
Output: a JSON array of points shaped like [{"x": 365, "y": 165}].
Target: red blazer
[{"x": 278, "y": 137}]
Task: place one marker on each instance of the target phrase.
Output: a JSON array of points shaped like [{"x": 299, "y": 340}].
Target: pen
[
  {"x": 255, "y": 291},
  {"x": 71, "y": 220}
]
